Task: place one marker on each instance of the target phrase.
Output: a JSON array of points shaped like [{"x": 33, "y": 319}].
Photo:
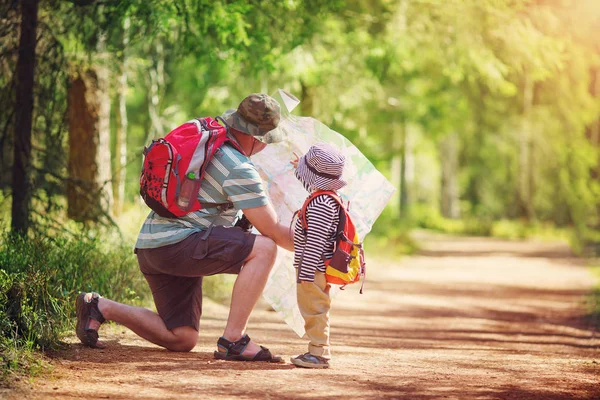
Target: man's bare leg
[
  {"x": 147, "y": 324},
  {"x": 247, "y": 289}
]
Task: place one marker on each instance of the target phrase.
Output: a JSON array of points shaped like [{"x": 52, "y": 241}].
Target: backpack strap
[
  {"x": 229, "y": 136},
  {"x": 311, "y": 197},
  {"x": 342, "y": 215},
  {"x": 339, "y": 233}
]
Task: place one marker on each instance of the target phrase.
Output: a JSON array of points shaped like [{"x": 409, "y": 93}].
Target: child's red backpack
[
  {"x": 175, "y": 165},
  {"x": 348, "y": 262}
]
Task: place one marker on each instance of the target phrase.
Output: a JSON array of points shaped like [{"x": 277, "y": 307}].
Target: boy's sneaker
[{"x": 308, "y": 360}]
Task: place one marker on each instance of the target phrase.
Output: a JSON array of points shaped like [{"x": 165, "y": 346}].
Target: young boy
[{"x": 320, "y": 168}]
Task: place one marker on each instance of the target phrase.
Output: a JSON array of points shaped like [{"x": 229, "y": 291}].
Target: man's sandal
[
  {"x": 87, "y": 311},
  {"x": 233, "y": 351}
]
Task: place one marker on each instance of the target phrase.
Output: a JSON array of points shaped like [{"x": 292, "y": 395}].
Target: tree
[
  {"x": 216, "y": 33},
  {"x": 84, "y": 190},
  {"x": 121, "y": 133},
  {"x": 21, "y": 187}
]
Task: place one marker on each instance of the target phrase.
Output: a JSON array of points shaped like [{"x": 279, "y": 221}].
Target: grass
[
  {"x": 40, "y": 277},
  {"x": 20, "y": 362},
  {"x": 39, "y": 280},
  {"x": 429, "y": 218}
]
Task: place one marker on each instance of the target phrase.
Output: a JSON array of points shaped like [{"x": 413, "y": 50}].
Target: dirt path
[{"x": 466, "y": 319}]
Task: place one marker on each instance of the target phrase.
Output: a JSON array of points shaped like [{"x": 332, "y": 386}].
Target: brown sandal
[
  {"x": 233, "y": 351},
  {"x": 86, "y": 311}
]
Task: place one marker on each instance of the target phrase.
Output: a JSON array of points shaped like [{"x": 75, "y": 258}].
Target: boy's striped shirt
[{"x": 322, "y": 217}]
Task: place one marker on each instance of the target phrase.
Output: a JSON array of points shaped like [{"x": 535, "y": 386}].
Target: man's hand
[
  {"x": 244, "y": 223},
  {"x": 265, "y": 221}
]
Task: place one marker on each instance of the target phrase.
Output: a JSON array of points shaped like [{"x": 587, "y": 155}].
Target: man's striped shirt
[
  {"x": 231, "y": 183},
  {"x": 322, "y": 217}
]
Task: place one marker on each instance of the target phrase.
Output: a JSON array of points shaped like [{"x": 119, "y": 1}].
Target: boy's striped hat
[{"x": 322, "y": 167}]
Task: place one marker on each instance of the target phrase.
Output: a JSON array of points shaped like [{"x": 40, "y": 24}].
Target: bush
[
  {"x": 426, "y": 217},
  {"x": 39, "y": 281},
  {"x": 585, "y": 242},
  {"x": 218, "y": 288}
]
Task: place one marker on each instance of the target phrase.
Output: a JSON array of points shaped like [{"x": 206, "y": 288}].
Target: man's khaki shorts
[{"x": 174, "y": 272}]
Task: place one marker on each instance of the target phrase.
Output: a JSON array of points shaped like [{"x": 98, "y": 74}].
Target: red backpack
[
  {"x": 348, "y": 262},
  {"x": 175, "y": 165}
]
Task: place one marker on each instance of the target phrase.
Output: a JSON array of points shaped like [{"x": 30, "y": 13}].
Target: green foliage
[
  {"x": 585, "y": 242},
  {"x": 218, "y": 287},
  {"x": 369, "y": 69},
  {"x": 511, "y": 229},
  {"x": 390, "y": 237},
  {"x": 40, "y": 278},
  {"x": 430, "y": 218},
  {"x": 427, "y": 217},
  {"x": 16, "y": 361}
]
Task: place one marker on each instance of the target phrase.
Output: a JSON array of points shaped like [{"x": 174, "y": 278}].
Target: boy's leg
[{"x": 314, "y": 304}]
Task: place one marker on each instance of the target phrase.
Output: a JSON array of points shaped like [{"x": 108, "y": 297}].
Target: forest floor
[{"x": 466, "y": 318}]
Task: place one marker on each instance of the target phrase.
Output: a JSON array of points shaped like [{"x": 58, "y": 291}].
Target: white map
[{"x": 367, "y": 190}]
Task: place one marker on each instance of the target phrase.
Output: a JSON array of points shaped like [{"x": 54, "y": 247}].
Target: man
[{"x": 174, "y": 254}]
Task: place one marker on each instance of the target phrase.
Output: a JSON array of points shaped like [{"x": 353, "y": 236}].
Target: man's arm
[{"x": 265, "y": 221}]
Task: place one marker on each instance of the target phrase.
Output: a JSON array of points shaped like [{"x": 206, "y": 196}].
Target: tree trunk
[
  {"x": 526, "y": 152},
  {"x": 399, "y": 164},
  {"x": 307, "y": 100},
  {"x": 157, "y": 82},
  {"x": 448, "y": 149},
  {"x": 104, "y": 154},
  {"x": 83, "y": 110},
  {"x": 594, "y": 128},
  {"x": 21, "y": 186},
  {"x": 403, "y": 177},
  {"x": 121, "y": 136},
  {"x": 474, "y": 147}
]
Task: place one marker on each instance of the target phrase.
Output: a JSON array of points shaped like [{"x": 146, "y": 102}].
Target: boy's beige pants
[{"x": 314, "y": 304}]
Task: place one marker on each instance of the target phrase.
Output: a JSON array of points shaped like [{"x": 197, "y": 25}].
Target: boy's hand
[
  {"x": 295, "y": 161},
  {"x": 327, "y": 287}
]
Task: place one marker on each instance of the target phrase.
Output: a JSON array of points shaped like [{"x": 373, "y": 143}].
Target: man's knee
[
  {"x": 185, "y": 340},
  {"x": 264, "y": 248}
]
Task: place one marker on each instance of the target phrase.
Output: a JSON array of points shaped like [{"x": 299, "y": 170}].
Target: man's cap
[{"x": 258, "y": 116}]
